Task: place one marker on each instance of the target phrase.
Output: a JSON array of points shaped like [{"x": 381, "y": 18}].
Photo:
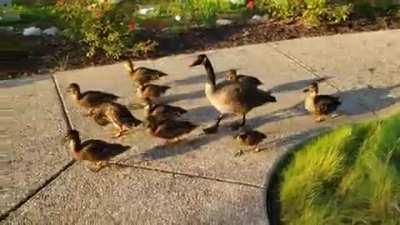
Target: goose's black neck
[{"x": 210, "y": 72}]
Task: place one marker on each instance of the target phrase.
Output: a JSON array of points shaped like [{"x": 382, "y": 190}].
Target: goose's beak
[{"x": 305, "y": 90}]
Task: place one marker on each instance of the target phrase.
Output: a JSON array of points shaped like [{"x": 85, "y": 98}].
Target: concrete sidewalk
[{"x": 198, "y": 181}]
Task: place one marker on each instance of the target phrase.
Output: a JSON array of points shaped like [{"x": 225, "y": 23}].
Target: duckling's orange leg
[{"x": 100, "y": 165}]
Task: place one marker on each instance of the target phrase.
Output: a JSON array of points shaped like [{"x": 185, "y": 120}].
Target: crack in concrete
[
  {"x": 37, "y": 190},
  {"x": 155, "y": 169},
  {"x": 311, "y": 70},
  {"x": 32, "y": 193}
]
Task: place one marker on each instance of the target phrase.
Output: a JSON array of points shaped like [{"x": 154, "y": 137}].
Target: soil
[{"x": 53, "y": 54}]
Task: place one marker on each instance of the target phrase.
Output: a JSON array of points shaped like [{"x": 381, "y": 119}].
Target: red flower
[
  {"x": 250, "y": 4},
  {"x": 132, "y": 25}
]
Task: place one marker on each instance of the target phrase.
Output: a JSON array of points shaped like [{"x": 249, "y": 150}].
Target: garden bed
[
  {"x": 350, "y": 175},
  {"x": 160, "y": 33}
]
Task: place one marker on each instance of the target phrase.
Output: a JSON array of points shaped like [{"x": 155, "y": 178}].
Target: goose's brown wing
[
  {"x": 325, "y": 104},
  {"x": 249, "y": 79}
]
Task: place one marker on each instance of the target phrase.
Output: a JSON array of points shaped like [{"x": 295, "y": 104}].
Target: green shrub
[
  {"x": 199, "y": 11},
  {"x": 312, "y": 11},
  {"x": 101, "y": 26}
]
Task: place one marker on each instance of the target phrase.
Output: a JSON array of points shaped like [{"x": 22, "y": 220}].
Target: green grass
[
  {"x": 348, "y": 176},
  {"x": 33, "y": 15}
]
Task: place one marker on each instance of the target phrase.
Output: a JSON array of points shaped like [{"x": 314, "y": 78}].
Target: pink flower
[
  {"x": 250, "y": 4},
  {"x": 132, "y": 25}
]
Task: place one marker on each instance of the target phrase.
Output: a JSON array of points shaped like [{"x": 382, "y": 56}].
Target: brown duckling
[
  {"x": 231, "y": 97},
  {"x": 320, "y": 105},
  {"x": 149, "y": 92},
  {"x": 168, "y": 129},
  {"x": 233, "y": 76},
  {"x": 117, "y": 114},
  {"x": 250, "y": 137},
  {"x": 89, "y": 99},
  {"x": 96, "y": 151},
  {"x": 143, "y": 75},
  {"x": 164, "y": 111}
]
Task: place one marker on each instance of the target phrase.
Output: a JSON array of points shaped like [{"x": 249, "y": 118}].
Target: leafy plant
[
  {"x": 312, "y": 11},
  {"x": 102, "y": 26}
]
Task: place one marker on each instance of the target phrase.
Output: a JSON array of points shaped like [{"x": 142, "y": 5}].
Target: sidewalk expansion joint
[
  {"x": 54, "y": 176},
  {"x": 196, "y": 176},
  {"x": 36, "y": 191},
  {"x": 61, "y": 100},
  {"x": 311, "y": 70}
]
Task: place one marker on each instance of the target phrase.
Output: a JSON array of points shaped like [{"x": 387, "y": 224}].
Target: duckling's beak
[
  {"x": 196, "y": 63},
  {"x": 306, "y": 90}
]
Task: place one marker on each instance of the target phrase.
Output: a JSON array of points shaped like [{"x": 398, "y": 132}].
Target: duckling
[
  {"x": 143, "y": 75},
  {"x": 95, "y": 151},
  {"x": 117, "y": 114},
  {"x": 233, "y": 76},
  {"x": 320, "y": 105},
  {"x": 231, "y": 97},
  {"x": 89, "y": 99},
  {"x": 164, "y": 111},
  {"x": 168, "y": 129},
  {"x": 149, "y": 92},
  {"x": 250, "y": 138}
]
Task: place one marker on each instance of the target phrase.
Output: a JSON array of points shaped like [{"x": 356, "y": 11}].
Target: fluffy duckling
[
  {"x": 96, "y": 151},
  {"x": 250, "y": 138},
  {"x": 168, "y": 129},
  {"x": 149, "y": 92},
  {"x": 89, "y": 99},
  {"x": 164, "y": 111},
  {"x": 233, "y": 76},
  {"x": 231, "y": 97},
  {"x": 117, "y": 114},
  {"x": 142, "y": 75},
  {"x": 320, "y": 105}
]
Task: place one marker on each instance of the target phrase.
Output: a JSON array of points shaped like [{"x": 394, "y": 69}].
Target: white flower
[
  {"x": 32, "y": 31},
  {"x": 178, "y": 18},
  {"x": 144, "y": 11},
  {"x": 52, "y": 31},
  {"x": 236, "y": 2}
]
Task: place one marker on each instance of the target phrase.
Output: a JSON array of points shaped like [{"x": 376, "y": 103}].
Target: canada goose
[
  {"x": 168, "y": 129},
  {"x": 89, "y": 99},
  {"x": 117, "y": 114},
  {"x": 320, "y": 105},
  {"x": 233, "y": 76},
  {"x": 95, "y": 151},
  {"x": 231, "y": 97},
  {"x": 142, "y": 75}
]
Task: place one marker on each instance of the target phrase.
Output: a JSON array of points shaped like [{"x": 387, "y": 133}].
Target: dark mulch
[{"x": 51, "y": 54}]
